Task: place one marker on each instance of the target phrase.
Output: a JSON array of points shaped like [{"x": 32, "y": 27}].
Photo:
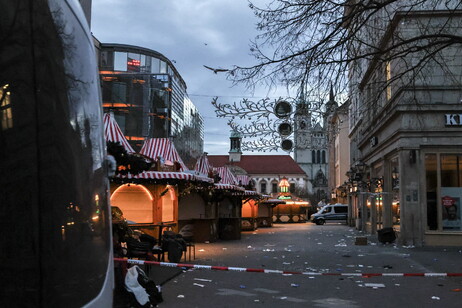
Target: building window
[
  {"x": 274, "y": 187},
  {"x": 6, "y": 114},
  {"x": 263, "y": 187},
  {"x": 388, "y": 76},
  {"x": 323, "y": 157},
  {"x": 444, "y": 214},
  {"x": 318, "y": 157},
  {"x": 292, "y": 187},
  {"x": 313, "y": 157}
]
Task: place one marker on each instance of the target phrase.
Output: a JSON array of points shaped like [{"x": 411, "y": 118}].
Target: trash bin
[{"x": 386, "y": 235}]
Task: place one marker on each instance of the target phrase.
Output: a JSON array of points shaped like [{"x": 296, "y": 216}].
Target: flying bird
[{"x": 216, "y": 70}]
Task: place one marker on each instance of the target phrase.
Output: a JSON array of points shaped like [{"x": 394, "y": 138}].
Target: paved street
[{"x": 310, "y": 248}]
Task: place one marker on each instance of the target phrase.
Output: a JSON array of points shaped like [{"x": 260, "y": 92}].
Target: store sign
[{"x": 453, "y": 119}]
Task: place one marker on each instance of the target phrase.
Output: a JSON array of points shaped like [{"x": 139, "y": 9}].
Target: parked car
[{"x": 331, "y": 212}]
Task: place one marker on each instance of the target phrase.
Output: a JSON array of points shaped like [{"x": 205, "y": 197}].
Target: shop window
[
  {"x": 431, "y": 188},
  {"x": 444, "y": 214},
  {"x": 451, "y": 191}
]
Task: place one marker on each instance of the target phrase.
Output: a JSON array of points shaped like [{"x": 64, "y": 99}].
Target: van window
[
  {"x": 326, "y": 210},
  {"x": 341, "y": 209}
]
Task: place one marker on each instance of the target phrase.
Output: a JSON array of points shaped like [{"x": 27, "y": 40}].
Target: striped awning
[
  {"x": 203, "y": 165},
  {"x": 244, "y": 179},
  {"x": 227, "y": 177},
  {"x": 160, "y": 175},
  {"x": 113, "y": 133},
  {"x": 163, "y": 147},
  {"x": 228, "y": 187},
  {"x": 251, "y": 193}
]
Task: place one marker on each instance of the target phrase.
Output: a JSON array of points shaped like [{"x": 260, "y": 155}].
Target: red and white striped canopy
[
  {"x": 161, "y": 175},
  {"x": 164, "y": 147},
  {"x": 113, "y": 133},
  {"x": 244, "y": 179},
  {"x": 203, "y": 165},
  {"x": 227, "y": 177}
]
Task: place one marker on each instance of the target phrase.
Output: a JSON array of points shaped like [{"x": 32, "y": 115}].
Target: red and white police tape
[{"x": 268, "y": 271}]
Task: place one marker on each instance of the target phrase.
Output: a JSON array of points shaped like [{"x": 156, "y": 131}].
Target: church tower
[
  {"x": 310, "y": 151},
  {"x": 235, "y": 152}
]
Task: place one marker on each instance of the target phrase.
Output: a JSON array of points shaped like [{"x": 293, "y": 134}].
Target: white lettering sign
[{"x": 453, "y": 119}]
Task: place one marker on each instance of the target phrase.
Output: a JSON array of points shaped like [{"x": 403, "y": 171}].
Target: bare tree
[
  {"x": 313, "y": 44},
  {"x": 317, "y": 41}
]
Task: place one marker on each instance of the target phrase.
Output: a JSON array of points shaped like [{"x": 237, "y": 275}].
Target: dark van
[{"x": 331, "y": 212}]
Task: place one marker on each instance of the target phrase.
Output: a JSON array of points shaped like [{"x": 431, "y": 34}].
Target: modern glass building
[{"x": 148, "y": 98}]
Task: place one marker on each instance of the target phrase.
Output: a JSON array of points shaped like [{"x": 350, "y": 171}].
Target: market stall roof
[
  {"x": 273, "y": 201},
  {"x": 243, "y": 179},
  {"x": 113, "y": 133},
  {"x": 228, "y": 180},
  {"x": 203, "y": 165},
  {"x": 261, "y": 164},
  {"x": 161, "y": 175},
  {"x": 164, "y": 148}
]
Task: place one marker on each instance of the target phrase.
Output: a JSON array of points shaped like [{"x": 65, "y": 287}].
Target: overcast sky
[{"x": 191, "y": 33}]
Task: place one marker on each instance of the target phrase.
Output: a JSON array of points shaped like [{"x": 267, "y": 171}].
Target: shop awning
[
  {"x": 162, "y": 147},
  {"x": 273, "y": 201},
  {"x": 113, "y": 133},
  {"x": 229, "y": 187}
]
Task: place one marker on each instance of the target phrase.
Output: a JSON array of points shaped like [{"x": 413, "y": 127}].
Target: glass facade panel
[
  {"x": 155, "y": 65},
  {"x": 120, "y": 61},
  {"x": 163, "y": 67}
]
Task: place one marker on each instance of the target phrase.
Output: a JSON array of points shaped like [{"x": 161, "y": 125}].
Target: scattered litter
[
  {"x": 360, "y": 255},
  {"x": 360, "y": 265},
  {"x": 180, "y": 296},
  {"x": 242, "y": 286},
  {"x": 374, "y": 285},
  {"x": 319, "y": 243},
  {"x": 286, "y": 274},
  {"x": 373, "y": 244},
  {"x": 410, "y": 246},
  {"x": 436, "y": 298},
  {"x": 294, "y": 285},
  {"x": 207, "y": 242},
  {"x": 268, "y": 249},
  {"x": 199, "y": 285},
  {"x": 286, "y": 263},
  {"x": 397, "y": 284},
  {"x": 284, "y": 297},
  {"x": 341, "y": 245},
  {"x": 249, "y": 246},
  {"x": 311, "y": 277},
  {"x": 201, "y": 279},
  {"x": 256, "y": 300}
]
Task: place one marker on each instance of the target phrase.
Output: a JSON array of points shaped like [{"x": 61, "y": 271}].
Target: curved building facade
[{"x": 148, "y": 98}]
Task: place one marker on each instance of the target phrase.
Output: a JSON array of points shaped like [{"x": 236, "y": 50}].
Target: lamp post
[{"x": 361, "y": 168}]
